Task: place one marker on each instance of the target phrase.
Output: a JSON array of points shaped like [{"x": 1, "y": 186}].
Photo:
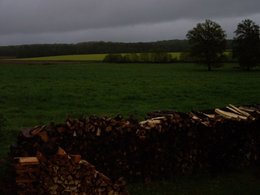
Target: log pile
[
  {"x": 27, "y": 173},
  {"x": 63, "y": 174},
  {"x": 166, "y": 144},
  {"x": 53, "y": 171}
]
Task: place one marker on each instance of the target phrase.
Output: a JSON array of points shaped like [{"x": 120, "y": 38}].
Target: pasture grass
[
  {"x": 81, "y": 57},
  {"x": 39, "y": 94},
  {"x": 32, "y": 94},
  {"x": 243, "y": 182}
]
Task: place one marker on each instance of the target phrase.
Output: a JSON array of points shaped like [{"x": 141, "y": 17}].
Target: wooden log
[
  {"x": 24, "y": 181},
  {"x": 43, "y": 135},
  {"x": 230, "y": 115},
  {"x": 241, "y": 112},
  {"x": 151, "y": 123},
  {"x": 152, "y": 120},
  {"x": 36, "y": 130},
  {"x": 249, "y": 109},
  {"x": 75, "y": 158},
  {"x": 233, "y": 110},
  {"x": 195, "y": 117},
  {"x": 211, "y": 116},
  {"x": 27, "y": 160}
]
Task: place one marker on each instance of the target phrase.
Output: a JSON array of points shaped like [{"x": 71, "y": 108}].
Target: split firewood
[
  {"x": 152, "y": 121},
  {"x": 205, "y": 123},
  {"x": 28, "y": 160},
  {"x": 233, "y": 110},
  {"x": 247, "y": 109},
  {"x": 250, "y": 109},
  {"x": 27, "y": 174},
  {"x": 230, "y": 115},
  {"x": 241, "y": 112},
  {"x": 195, "y": 117},
  {"x": 211, "y": 116},
  {"x": 43, "y": 135},
  {"x": 36, "y": 130}
]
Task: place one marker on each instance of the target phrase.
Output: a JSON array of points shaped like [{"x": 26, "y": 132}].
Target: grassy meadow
[
  {"x": 243, "y": 183},
  {"x": 35, "y": 94},
  {"x": 97, "y": 57},
  {"x": 83, "y": 57},
  {"x": 39, "y": 94}
]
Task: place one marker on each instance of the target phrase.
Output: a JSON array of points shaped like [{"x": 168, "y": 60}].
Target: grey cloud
[
  {"x": 24, "y": 20},
  {"x": 165, "y": 30}
]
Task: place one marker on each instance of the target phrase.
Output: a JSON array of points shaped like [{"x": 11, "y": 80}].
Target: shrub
[{"x": 113, "y": 58}]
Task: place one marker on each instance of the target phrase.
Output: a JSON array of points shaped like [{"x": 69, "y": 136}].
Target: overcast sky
[{"x": 70, "y": 21}]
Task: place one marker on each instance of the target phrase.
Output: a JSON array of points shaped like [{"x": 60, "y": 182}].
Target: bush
[
  {"x": 131, "y": 58},
  {"x": 113, "y": 58},
  {"x": 161, "y": 57},
  {"x": 158, "y": 57}
]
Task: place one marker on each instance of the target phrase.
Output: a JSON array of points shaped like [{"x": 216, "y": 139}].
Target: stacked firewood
[
  {"x": 67, "y": 174},
  {"x": 166, "y": 144},
  {"x": 27, "y": 173},
  {"x": 53, "y": 171}
]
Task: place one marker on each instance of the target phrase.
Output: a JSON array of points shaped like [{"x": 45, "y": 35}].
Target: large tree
[
  {"x": 208, "y": 42},
  {"x": 246, "y": 44}
]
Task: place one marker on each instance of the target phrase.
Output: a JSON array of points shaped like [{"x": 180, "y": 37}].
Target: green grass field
[
  {"x": 92, "y": 57},
  {"x": 82, "y": 57},
  {"x": 242, "y": 182},
  {"x": 38, "y": 94}
]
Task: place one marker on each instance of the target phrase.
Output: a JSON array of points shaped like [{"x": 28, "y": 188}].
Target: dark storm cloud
[{"x": 28, "y": 21}]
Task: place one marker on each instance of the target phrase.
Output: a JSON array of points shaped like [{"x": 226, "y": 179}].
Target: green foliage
[
  {"x": 130, "y": 58},
  {"x": 161, "y": 57},
  {"x": 247, "y": 44},
  {"x": 228, "y": 56},
  {"x": 114, "y": 58},
  {"x": 40, "y": 50},
  {"x": 157, "y": 57},
  {"x": 144, "y": 57},
  {"x": 187, "y": 57},
  {"x": 242, "y": 182},
  {"x": 207, "y": 42}
]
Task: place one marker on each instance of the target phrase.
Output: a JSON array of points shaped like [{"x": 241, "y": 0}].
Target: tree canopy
[
  {"x": 246, "y": 44},
  {"x": 208, "y": 42}
]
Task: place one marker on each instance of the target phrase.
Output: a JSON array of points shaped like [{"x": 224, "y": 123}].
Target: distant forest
[{"x": 40, "y": 50}]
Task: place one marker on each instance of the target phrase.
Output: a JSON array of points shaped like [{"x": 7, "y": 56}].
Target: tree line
[{"x": 100, "y": 47}]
